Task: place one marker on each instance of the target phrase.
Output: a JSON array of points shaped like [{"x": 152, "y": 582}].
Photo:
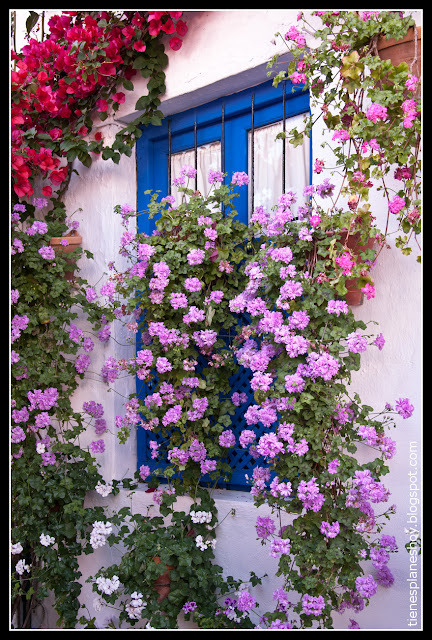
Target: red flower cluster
[{"x": 57, "y": 83}]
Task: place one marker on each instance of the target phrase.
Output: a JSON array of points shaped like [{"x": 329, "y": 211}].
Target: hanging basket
[
  {"x": 404, "y": 50},
  {"x": 74, "y": 241}
]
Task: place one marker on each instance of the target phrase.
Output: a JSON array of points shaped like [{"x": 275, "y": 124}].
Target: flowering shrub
[
  {"x": 81, "y": 69},
  {"x": 51, "y": 473},
  {"x": 179, "y": 554},
  {"x": 178, "y": 290},
  {"x": 361, "y": 99},
  {"x": 301, "y": 343}
]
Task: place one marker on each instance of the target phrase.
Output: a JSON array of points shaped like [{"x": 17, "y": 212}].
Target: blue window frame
[{"x": 226, "y": 120}]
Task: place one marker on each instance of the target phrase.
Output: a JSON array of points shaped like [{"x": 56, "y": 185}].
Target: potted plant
[
  {"x": 66, "y": 245},
  {"x": 360, "y": 98},
  {"x": 167, "y": 566}
]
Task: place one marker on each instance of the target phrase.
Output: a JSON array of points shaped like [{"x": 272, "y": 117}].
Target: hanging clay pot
[
  {"x": 74, "y": 241},
  {"x": 162, "y": 584},
  {"x": 404, "y": 50},
  {"x": 354, "y": 295}
]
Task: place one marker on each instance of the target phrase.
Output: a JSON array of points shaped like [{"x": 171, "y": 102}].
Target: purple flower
[
  {"x": 48, "y": 458},
  {"x": 97, "y": 446},
  {"x": 279, "y": 546},
  {"x": 192, "y": 284},
  {"x": 195, "y": 256},
  {"x": 172, "y": 416},
  {"x": 47, "y": 252},
  {"x": 178, "y": 300},
  {"x": 144, "y": 471},
  {"x": 94, "y": 409},
  {"x": 379, "y": 341},
  {"x": 91, "y": 294},
  {"x": 312, "y": 605},
  {"x": 384, "y": 576},
  {"x": 109, "y": 371},
  {"x": 366, "y": 586},
  {"x": 404, "y": 408},
  {"x": 240, "y": 178},
  {"x": 179, "y": 456},
  {"x": 337, "y": 307},
  {"x": 189, "y": 606},
  {"x": 356, "y": 342},
  {"x": 227, "y": 438},
  {"x": 82, "y": 363},
  {"x": 325, "y": 189},
  {"x": 245, "y": 601},
  {"x": 163, "y": 365},
  {"x": 17, "y": 434},
  {"x": 333, "y": 465},
  {"x": 265, "y": 526},
  {"x": 330, "y": 530},
  {"x": 194, "y": 315}
]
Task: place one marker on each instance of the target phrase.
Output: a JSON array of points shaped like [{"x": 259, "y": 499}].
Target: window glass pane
[
  {"x": 268, "y": 165},
  {"x": 208, "y": 157}
]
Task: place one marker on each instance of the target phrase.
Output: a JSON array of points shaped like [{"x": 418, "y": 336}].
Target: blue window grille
[{"x": 231, "y": 121}]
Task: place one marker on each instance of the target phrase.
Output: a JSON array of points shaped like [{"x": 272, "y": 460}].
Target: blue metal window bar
[{"x": 228, "y": 120}]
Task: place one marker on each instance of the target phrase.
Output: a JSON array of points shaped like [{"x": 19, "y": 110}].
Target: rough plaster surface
[{"x": 222, "y": 51}]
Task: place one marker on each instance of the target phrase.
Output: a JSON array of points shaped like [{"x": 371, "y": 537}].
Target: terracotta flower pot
[
  {"x": 403, "y": 50},
  {"x": 74, "y": 241},
  {"x": 162, "y": 584},
  {"x": 354, "y": 295}
]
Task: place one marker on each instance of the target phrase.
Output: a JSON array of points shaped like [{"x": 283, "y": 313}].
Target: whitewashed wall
[{"x": 224, "y": 52}]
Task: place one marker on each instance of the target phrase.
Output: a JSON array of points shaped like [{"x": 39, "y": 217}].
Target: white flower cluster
[
  {"x": 46, "y": 540},
  {"x": 21, "y": 566},
  {"x": 135, "y": 606},
  {"x": 107, "y": 585},
  {"x": 201, "y": 516},
  {"x": 104, "y": 489},
  {"x": 99, "y": 534},
  {"x": 16, "y": 548},
  {"x": 204, "y": 544},
  {"x": 98, "y": 603}
]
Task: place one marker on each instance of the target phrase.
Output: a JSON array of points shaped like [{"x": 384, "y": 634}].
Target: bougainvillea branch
[{"x": 78, "y": 72}]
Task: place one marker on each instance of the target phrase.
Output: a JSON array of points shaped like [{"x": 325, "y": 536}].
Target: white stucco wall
[{"x": 225, "y": 51}]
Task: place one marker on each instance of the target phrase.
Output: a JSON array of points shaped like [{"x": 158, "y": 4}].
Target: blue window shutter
[{"x": 152, "y": 174}]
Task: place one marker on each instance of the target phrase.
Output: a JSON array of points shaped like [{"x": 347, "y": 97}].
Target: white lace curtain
[{"x": 267, "y": 165}]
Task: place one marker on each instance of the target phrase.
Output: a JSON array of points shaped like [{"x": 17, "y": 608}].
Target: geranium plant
[
  {"x": 280, "y": 316},
  {"x": 372, "y": 112},
  {"x": 167, "y": 568},
  {"x": 60, "y": 86}
]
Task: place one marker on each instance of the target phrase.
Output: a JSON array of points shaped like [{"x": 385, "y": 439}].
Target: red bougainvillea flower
[
  {"x": 140, "y": 46},
  {"x": 57, "y": 177},
  {"x": 175, "y": 43},
  {"x": 51, "y": 85},
  {"x": 47, "y": 191},
  {"x": 101, "y": 104},
  {"x": 119, "y": 97},
  {"x": 154, "y": 27},
  {"x": 168, "y": 26},
  {"x": 181, "y": 28}
]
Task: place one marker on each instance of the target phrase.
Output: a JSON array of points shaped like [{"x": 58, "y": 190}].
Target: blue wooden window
[{"x": 228, "y": 120}]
